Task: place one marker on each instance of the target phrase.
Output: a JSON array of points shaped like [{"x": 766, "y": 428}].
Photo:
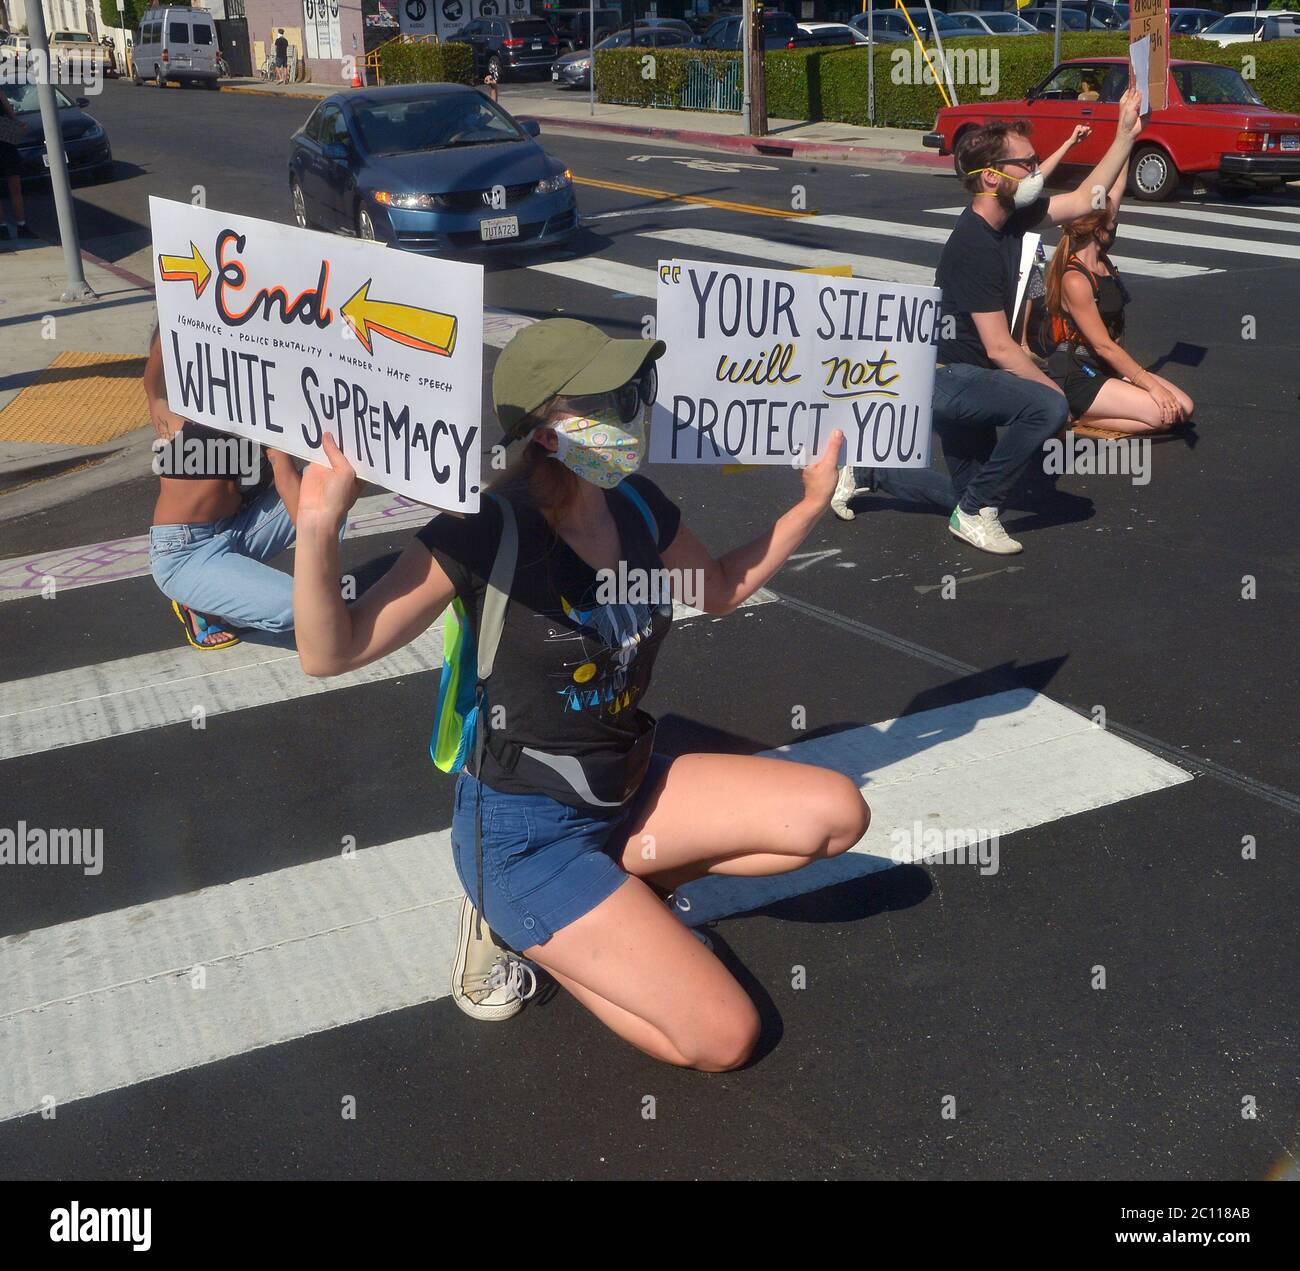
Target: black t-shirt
[
  {"x": 570, "y": 672},
  {"x": 282, "y": 48},
  {"x": 977, "y": 274},
  {"x": 199, "y": 453}
]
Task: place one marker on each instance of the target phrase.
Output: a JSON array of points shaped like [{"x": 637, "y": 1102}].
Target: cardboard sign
[
  {"x": 1149, "y": 21},
  {"x": 281, "y": 334},
  {"x": 764, "y": 364}
]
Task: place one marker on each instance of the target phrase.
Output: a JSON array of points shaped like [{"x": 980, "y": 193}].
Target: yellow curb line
[
  {"x": 669, "y": 197},
  {"x": 266, "y": 92}
]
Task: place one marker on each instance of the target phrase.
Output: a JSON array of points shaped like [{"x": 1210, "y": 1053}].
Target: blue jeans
[
  {"x": 970, "y": 404},
  {"x": 217, "y": 568},
  {"x": 912, "y": 485}
]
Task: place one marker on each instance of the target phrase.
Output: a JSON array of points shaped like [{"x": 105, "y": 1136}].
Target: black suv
[
  {"x": 572, "y": 26},
  {"x": 503, "y": 46},
  {"x": 780, "y": 31}
]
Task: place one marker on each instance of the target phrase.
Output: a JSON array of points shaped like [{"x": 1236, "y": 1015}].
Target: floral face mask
[{"x": 599, "y": 447}]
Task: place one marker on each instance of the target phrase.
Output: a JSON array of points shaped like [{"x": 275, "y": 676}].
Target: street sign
[{"x": 1148, "y": 37}]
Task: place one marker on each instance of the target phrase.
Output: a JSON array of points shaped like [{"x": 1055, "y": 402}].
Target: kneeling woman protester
[
  {"x": 568, "y": 829},
  {"x": 1085, "y": 305},
  {"x": 218, "y": 518}
]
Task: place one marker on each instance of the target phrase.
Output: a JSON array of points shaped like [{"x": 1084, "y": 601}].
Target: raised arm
[
  {"x": 1082, "y": 200},
  {"x": 332, "y": 636},
  {"x": 731, "y": 579},
  {"x": 1049, "y": 165}
]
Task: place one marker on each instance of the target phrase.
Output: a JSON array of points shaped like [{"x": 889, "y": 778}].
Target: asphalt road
[{"x": 924, "y": 981}]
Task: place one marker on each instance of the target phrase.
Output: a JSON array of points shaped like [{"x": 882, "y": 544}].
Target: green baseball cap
[{"x": 562, "y": 356}]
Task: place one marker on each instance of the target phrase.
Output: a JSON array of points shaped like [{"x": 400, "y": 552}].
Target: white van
[{"x": 175, "y": 44}]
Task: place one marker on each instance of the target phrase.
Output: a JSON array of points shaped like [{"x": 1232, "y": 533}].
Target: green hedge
[
  {"x": 418, "y": 63},
  {"x": 832, "y": 83}
]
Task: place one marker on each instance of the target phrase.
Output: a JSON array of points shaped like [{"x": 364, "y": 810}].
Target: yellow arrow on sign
[
  {"x": 192, "y": 268},
  {"x": 417, "y": 328}
]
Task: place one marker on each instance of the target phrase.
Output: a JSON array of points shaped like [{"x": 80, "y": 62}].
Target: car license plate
[
  {"x": 555, "y": 74},
  {"x": 499, "y": 227},
  {"x": 1291, "y": 142},
  {"x": 537, "y": 44},
  {"x": 45, "y": 159}
]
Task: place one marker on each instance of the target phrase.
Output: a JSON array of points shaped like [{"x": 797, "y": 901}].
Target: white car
[
  {"x": 1249, "y": 24},
  {"x": 832, "y": 33},
  {"x": 991, "y": 24}
]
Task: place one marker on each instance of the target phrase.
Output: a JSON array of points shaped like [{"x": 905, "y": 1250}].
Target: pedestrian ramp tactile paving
[{"x": 80, "y": 399}]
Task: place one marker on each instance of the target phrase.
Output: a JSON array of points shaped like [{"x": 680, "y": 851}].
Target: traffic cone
[{"x": 356, "y": 78}]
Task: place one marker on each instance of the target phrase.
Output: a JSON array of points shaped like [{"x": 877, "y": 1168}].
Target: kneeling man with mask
[{"x": 985, "y": 380}]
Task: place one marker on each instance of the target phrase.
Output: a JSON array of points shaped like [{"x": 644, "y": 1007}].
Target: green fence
[{"x": 714, "y": 87}]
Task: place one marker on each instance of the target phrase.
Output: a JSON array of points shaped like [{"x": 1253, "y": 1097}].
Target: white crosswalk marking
[
  {"x": 611, "y": 275},
  {"x": 153, "y": 690},
  {"x": 24, "y": 577},
  {"x": 333, "y": 942},
  {"x": 1178, "y": 238},
  {"x": 1210, "y": 218},
  {"x": 794, "y": 254}
]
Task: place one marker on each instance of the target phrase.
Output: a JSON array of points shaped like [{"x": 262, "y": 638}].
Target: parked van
[{"x": 175, "y": 44}]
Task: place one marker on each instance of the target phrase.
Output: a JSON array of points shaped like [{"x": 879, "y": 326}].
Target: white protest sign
[
  {"x": 764, "y": 364},
  {"x": 282, "y": 334},
  {"x": 1028, "y": 246}
]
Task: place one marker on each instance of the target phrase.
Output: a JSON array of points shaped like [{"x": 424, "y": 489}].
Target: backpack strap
[
  {"x": 635, "y": 499},
  {"x": 491, "y": 624},
  {"x": 497, "y": 595}
]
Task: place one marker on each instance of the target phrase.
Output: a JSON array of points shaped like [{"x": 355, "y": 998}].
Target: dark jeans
[
  {"x": 970, "y": 404},
  {"x": 912, "y": 485}
]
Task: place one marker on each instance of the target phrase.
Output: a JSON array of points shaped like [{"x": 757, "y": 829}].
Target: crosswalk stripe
[
  {"x": 105, "y": 1002},
  {"x": 940, "y": 234},
  {"x": 155, "y": 690},
  {"x": 24, "y": 577},
  {"x": 794, "y": 254},
  {"x": 1178, "y": 238},
  {"x": 611, "y": 275},
  {"x": 1211, "y": 218}
]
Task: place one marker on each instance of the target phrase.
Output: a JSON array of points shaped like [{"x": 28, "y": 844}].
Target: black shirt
[
  {"x": 199, "y": 453},
  {"x": 977, "y": 274},
  {"x": 570, "y": 673},
  {"x": 282, "y": 48}
]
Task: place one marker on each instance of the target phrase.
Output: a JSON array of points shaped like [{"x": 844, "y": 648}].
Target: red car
[{"x": 1214, "y": 124}]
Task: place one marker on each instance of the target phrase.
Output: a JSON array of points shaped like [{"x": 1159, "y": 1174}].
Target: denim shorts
[{"x": 545, "y": 864}]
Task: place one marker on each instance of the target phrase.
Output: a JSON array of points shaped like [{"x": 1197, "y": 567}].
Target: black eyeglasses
[{"x": 1029, "y": 161}]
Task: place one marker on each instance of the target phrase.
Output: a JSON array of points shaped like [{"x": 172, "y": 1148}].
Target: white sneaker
[
  {"x": 845, "y": 488},
  {"x": 488, "y": 981},
  {"x": 983, "y": 531}
]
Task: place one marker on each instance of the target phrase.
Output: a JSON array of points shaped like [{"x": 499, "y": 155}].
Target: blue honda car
[{"x": 429, "y": 168}]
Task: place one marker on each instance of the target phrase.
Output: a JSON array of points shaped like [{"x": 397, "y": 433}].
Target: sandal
[{"x": 199, "y": 624}]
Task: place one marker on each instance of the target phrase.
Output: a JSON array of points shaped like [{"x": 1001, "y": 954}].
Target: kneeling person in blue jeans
[
  {"x": 211, "y": 536},
  {"x": 985, "y": 379}
]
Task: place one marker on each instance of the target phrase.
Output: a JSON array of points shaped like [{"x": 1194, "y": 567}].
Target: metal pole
[
  {"x": 121, "y": 35},
  {"x": 871, "y": 63},
  {"x": 591, "y": 48},
  {"x": 1056, "y": 37},
  {"x": 943, "y": 57},
  {"x": 747, "y": 100},
  {"x": 77, "y": 288}
]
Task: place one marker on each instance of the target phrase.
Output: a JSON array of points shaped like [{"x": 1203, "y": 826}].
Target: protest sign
[
  {"x": 280, "y": 334},
  {"x": 764, "y": 364},
  {"x": 1148, "y": 38}
]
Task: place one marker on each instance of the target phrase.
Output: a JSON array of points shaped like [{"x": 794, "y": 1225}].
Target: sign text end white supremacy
[
  {"x": 763, "y": 365},
  {"x": 281, "y": 334}
]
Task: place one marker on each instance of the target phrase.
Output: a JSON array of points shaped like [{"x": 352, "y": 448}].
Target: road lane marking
[
  {"x": 341, "y": 940},
  {"x": 1178, "y": 238},
  {"x": 794, "y": 254},
  {"x": 155, "y": 690},
  {"x": 610, "y": 275},
  {"x": 726, "y": 205}
]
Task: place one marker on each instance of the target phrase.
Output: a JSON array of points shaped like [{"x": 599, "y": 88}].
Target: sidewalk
[
  {"x": 788, "y": 138},
  {"x": 70, "y": 382}
]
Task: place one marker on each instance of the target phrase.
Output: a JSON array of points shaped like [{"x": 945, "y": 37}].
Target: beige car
[{"x": 77, "y": 58}]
